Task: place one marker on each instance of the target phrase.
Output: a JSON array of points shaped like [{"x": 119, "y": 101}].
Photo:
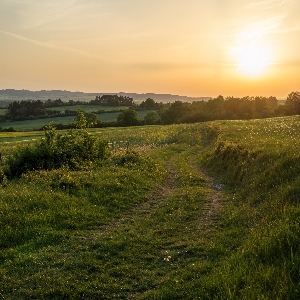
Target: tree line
[
  {"x": 230, "y": 108},
  {"x": 33, "y": 109},
  {"x": 112, "y": 100},
  {"x": 219, "y": 108}
]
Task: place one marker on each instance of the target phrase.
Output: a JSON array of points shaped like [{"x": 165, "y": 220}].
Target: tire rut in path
[
  {"x": 154, "y": 200},
  {"x": 207, "y": 219},
  {"x": 214, "y": 202}
]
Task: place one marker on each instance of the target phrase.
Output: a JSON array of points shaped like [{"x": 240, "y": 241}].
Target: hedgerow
[{"x": 74, "y": 149}]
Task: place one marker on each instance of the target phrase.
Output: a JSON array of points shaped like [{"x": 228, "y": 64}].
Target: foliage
[
  {"x": 175, "y": 112},
  {"x": 26, "y": 108},
  {"x": 259, "y": 159},
  {"x": 151, "y": 104},
  {"x": 74, "y": 149},
  {"x": 220, "y": 108},
  {"x": 148, "y": 223},
  {"x": 128, "y": 117},
  {"x": 151, "y": 118},
  {"x": 112, "y": 100},
  {"x": 292, "y": 103}
]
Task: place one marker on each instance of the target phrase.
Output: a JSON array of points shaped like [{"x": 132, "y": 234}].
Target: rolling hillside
[{"x": 199, "y": 211}]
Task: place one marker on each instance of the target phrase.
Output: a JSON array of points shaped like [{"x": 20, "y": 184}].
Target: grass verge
[{"x": 154, "y": 225}]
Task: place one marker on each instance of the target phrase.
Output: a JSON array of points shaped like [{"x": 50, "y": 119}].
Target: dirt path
[
  {"x": 208, "y": 217},
  {"x": 138, "y": 212},
  {"x": 214, "y": 202}
]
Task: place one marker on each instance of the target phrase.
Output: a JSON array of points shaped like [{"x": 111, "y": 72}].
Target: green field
[
  {"x": 3, "y": 112},
  {"x": 88, "y": 108},
  {"x": 28, "y": 125},
  {"x": 197, "y": 211},
  {"x": 66, "y": 99}
]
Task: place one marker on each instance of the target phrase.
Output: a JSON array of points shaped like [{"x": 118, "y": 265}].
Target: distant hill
[{"x": 9, "y": 94}]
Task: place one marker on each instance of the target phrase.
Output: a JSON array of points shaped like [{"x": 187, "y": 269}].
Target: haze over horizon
[{"x": 192, "y": 48}]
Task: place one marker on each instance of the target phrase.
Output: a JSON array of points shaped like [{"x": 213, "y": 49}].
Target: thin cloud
[
  {"x": 48, "y": 45},
  {"x": 281, "y": 3},
  {"x": 256, "y": 29},
  {"x": 265, "y": 4},
  {"x": 287, "y": 29}
]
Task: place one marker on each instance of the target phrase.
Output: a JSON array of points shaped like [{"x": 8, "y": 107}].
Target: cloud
[
  {"x": 48, "y": 45},
  {"x": 294, "y": 28},
  {"x": 54, "y": 15},
  {"x": 39, "y": 14},
  {"x": 282, "y": 2},
  {"x": 264, "y": 4}
]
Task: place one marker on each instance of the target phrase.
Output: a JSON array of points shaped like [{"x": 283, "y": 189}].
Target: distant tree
[
  {"x": 232, "y": 105},
  {"x": 260, "y": 104},
  {"x": 25, "y": 108},
  {"x": 246, "y": 108},
  {"x": 216, "y": 106},
  {"x": 272, "y": 102},
  {"x": 128, "y": 117},
  {"x": 112, "y": 100},
  {"x": 81, "y": 121},
  {"x": 292, "y": 103},
  {"x": 148, "y": 104},
  {"x": 151, "y": 118},
  {"x": 85, "y": 120},
  {"x": 280, "y": 110},
  {"x": 92, "y": 119},
  {"x": 175, "y": 113},
  {"x": 54, "y": 103}
]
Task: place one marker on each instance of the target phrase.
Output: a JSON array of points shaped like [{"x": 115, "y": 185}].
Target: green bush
[
  {"x": 130, "y": 157},
  {"x": 73, "y": 150}
]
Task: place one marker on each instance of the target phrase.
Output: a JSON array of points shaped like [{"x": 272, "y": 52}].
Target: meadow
[
  {"x": 189, "y": 211},
  {"x": 29, "y": 125}
]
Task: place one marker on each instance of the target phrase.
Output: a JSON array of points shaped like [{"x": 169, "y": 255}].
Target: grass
[
  {"x": 88, "y": 108},
  {"x": 260, "y": 159},
  {"x": 155, "y": 225},
  {"x": 29, "y": 125},
  {"x": 20, "y": 98},
  {"x": 3, "y": 112}
]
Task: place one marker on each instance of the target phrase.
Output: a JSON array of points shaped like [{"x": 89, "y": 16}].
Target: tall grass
[
  {"x": 260, "y": 160},
  {"x": 139, "y": 224}
]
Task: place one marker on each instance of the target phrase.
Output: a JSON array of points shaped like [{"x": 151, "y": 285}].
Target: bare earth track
[{"x": 208, "y": 218}]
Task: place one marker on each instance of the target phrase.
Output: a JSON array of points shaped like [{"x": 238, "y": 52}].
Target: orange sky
[{"x": 192, "y": 47}]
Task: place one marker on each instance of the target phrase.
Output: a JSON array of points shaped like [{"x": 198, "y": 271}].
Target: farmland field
[
  {"x": 88, "y": 108},
  {"x": 3, "y": 112},
  {"x": 28, "y": 125},
  {"x": 197, "y": 211}
]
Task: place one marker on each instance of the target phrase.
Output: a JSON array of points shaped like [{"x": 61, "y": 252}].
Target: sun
[{"x": 253, "y": 61}]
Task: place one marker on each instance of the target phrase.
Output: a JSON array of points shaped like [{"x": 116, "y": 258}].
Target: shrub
[
  {"x": 128, "y": 159},
  {"x": 74, "y": 149}
]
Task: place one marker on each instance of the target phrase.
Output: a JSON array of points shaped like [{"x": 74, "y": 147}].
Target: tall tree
[
  {"x": 128, "y": 117},
  {"x": 292, "y": 103}
]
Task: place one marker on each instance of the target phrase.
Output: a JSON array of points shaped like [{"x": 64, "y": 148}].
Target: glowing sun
[{"x": 253, "y": 61}]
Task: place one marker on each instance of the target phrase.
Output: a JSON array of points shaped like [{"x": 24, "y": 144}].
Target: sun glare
[{"x": 253, "y": 61}]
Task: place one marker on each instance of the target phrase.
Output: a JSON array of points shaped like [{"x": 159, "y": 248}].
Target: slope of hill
[{"x": 199, "y": 211}]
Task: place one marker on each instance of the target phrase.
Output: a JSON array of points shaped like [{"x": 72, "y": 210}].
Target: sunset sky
[{"x": 191, "y": 47}]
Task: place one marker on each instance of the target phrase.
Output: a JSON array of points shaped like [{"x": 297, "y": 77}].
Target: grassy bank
[
  {"x": 203, "y": 211},
  {"x": 260, "y": 161}
]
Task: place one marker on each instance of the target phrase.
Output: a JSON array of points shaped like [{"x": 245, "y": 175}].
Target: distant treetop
[{"x": 113, "y": 100}]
